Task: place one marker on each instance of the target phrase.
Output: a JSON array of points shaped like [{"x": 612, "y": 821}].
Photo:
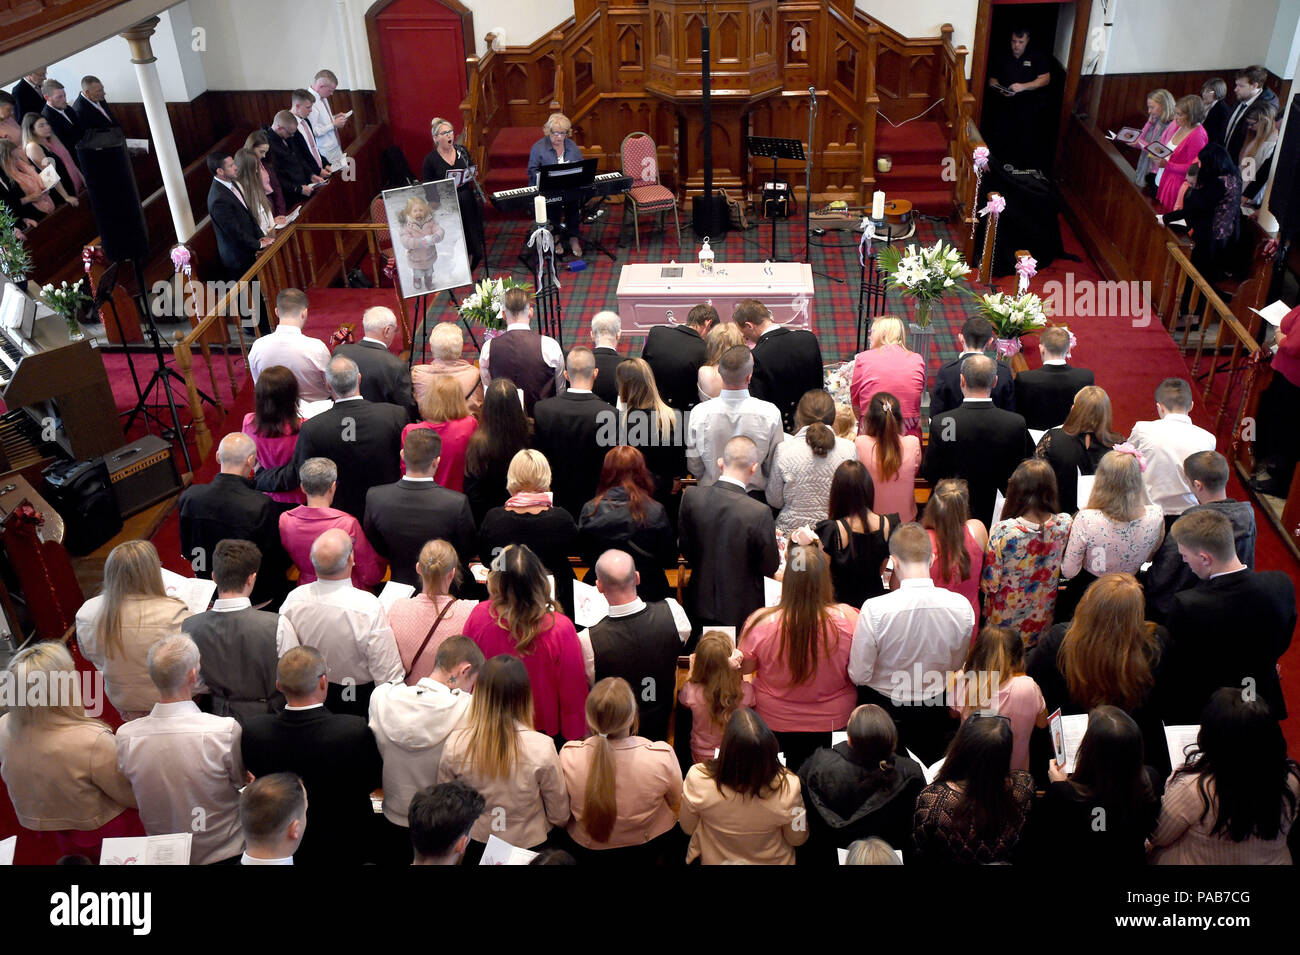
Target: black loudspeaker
[
  {"x": 1284, "y": 203},
  {"x": 82, "y": 494},
  {"x": 710, "y": 218},
  {"x": 114, "y": 199}
]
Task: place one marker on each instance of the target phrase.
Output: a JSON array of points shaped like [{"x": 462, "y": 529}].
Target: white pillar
[{"x": 160, "y": 127}]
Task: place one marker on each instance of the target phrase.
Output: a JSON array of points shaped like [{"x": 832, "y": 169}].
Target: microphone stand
[{"x": 807, "y": 205}]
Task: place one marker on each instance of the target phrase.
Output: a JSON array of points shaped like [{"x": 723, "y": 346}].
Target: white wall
[
  {"x": 1152, "y": 36},
  {"x": 919, "y": 18},
  {"x": 1286, "y": 40},
  {"x": 1065, "y": 32}
]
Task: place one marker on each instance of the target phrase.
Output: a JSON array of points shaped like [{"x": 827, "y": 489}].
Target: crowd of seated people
[{"x": 723, "y": 721}]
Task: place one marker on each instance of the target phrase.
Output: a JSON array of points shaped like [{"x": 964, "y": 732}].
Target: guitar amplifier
[{"x": 142, "y": 473}]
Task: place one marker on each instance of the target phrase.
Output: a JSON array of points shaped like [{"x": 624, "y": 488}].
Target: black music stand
[
  {"x": 559, "y": 182},
  {"x": 871, "y": 294},
  {"x": 104, "y": 296},
  {"x": 767, "y": 147}
]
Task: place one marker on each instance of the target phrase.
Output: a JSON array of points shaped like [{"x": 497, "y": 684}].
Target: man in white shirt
[
  {"x": 305, "y": 356},
  {"x": 534, "y": 362},
  {"x": 273, "y": 817},
  {"x": 348, "y": 626},
  {"x": 907, "y": 642},
  {"x": 1165, "y": 444},
  {"x": 411, "y": 724},
  {"x": 325, "y": 123},
  {"x": 733, "y": 413},
  {"x": 184, "y": 766}
]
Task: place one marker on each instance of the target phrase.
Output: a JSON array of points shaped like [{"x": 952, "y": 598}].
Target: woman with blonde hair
[
  {"x": 59, "y": 764},
  {"x": 557, "y": 146},
  {"x": 958, "y": 542},
  {"x": 419, "y": 234},
  {"x": 722, "y": 336},
  {"x": 1187, "y": 142},
  {"x": 1160, "y": 127},
  {"x": 889, "y": 366},
  {"x": 890, "y": 456},
  {"x": 255, "y": 184},
  {"x": 873, "y": 851},
  {"x": 713, "y": 691},
  {"x": 512, "y": 766},
  {"x": 1116, "y": 533},
  {"x": 445, "y": 156},
  {"x": 799, "y": 651},
  {"x": 530, "y": 517},
  {"x": 624, "y": 790},
  {"x": 422, "y": 622},
  {"x": 1108, "y": 654},
  {"x": 1078, "y": 446},
  {"x": 446, "y": 414},
  {"x": 447, "y": 345},
  {"x": 743, "y": 806},
  {"x": 1257, "y": 152},
  {"x": 651, "y": 426},
  {"x": 520, "y": 618},
  {"x": 116, "y": 629}
]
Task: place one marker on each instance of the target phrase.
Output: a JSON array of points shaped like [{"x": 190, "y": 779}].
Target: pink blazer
[
  {"x": 896, "y": 370},
  {"x": 1176, "y": 167}
]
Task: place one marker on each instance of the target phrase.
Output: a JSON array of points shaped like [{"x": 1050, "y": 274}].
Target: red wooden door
[{"x": 422, "y": 53}]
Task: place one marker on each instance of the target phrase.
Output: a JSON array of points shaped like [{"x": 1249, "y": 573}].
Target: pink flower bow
[
  {"x": 980, "y": 157},
  {"x": 181, "y": 259},
  {"x": 1026, "y": 268},
  {"x": 996, "y": 205},
  {"x": 1006, "y": 347},
  {"x": 1127, "y": 448}
]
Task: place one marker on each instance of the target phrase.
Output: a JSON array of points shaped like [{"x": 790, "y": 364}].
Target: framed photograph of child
[{"x": 428, "y": 239}]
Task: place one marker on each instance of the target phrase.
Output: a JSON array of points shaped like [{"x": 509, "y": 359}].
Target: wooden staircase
[
  {"x": 507, "y": 159},
  {"x": 918, "y": 150}
]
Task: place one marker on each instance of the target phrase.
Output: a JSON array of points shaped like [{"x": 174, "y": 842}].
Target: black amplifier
[{"x": 142, "y": 473}]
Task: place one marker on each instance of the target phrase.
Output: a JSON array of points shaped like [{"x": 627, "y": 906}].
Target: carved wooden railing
[{"x": 595, "y": 68}]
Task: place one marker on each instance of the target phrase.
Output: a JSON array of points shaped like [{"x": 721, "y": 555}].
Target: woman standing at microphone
[{"x": 444, "y": 157}]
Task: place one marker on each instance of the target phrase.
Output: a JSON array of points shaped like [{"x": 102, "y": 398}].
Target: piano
[
  {"x": 52, "y": 381},
  {"x": 520, "y": 201}
]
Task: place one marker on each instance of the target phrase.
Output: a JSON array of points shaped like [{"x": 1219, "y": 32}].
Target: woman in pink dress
[
  {"x": 889, "y": 366},
  {"x": 958, "y": 542},
  {"x": 273, "y": 424},
  {"x": 43, "y": 148},
  {"x": 890, "y": 457},
  {"x": 1188, "y": 140},
  {"x": 446, "y": 413},
  {"x": 26, "y": 179},
  {"x": 799, "y": 653},
  {"x": 421, "y": 623}
]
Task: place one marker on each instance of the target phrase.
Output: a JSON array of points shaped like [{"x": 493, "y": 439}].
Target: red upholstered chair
[
  {"x": 646, "y": 194},
  {"x": 383, "y": 238}
]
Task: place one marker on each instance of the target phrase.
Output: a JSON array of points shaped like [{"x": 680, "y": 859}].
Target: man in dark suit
[
  {"x": 974, "y": 339},
  {"x": 977, "y": 441},
  {"x": 91, "y": 106},
  {"x": 730, "y": 541},
  {"x": 384, "y": 376},
  {"x": 1249, "y": 88},
  {"x": 1228, "y": 630},
  {"x": 1044, "y": 396},
  {"x": 27, "y": 94},
  {"x": 298, "y": 181},
  {"x": 239, "y": 237},
  {"x": 574, "y": 430},
  {"x": 62, "y": 119},
  {"x": 402, "y": 517},
  {"x": 1216, "y": 110},
  {"x": 236, "y": 642},
  {"x": 362, "y": 438},
  {"x": 675, "y": 354},
  {"x": 334, "y": 754},
  {"x": 304, "y": 140},
  {"x": 787, "y": 361},
  {"x": 605, "y": 329},
  {"x": 228, "y": 508}
]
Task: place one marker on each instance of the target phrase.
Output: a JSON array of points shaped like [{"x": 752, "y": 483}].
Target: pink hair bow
[{"x": 1127, "y": 448}]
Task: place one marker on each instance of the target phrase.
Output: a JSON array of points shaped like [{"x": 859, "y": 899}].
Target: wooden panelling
[
  {"x": 26, "y": 21},
  {"x": 1120, "y": 99}
]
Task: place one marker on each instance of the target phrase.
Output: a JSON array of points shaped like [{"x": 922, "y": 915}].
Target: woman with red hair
[{"x": 625, "y": 516}]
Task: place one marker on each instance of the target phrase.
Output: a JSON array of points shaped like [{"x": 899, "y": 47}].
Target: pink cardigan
[{"x": 894, "y": 369}]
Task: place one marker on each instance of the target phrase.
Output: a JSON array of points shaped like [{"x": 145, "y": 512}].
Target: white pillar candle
[
  {"x": 878, "y": 205},
  {"x": 539, "y": 209}
]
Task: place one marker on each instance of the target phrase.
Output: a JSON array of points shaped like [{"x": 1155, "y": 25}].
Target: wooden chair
[{"x": 646, "y": 194}]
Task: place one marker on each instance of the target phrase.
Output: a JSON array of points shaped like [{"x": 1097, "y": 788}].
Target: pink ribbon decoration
[
  {"x": 182, "y": 258},
  {"x": 1127, "y": 448},
  {"x": 864, "y": 244},
  {"x": 1006, "y": 347},
  {"x": 1026, "y": 268},
  {"x": 1073, "y": 341},
  {"x": 980, "y": 158},
  {"x": 996, "y": 205}
]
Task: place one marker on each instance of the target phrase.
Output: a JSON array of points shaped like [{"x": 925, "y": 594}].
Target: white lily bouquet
[
  {"x": 1012, "y": 316},
  {"x": 484, "y": 305},
  {"x": 924, "y": 274},
  {"x": 67, "y": 301}
]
